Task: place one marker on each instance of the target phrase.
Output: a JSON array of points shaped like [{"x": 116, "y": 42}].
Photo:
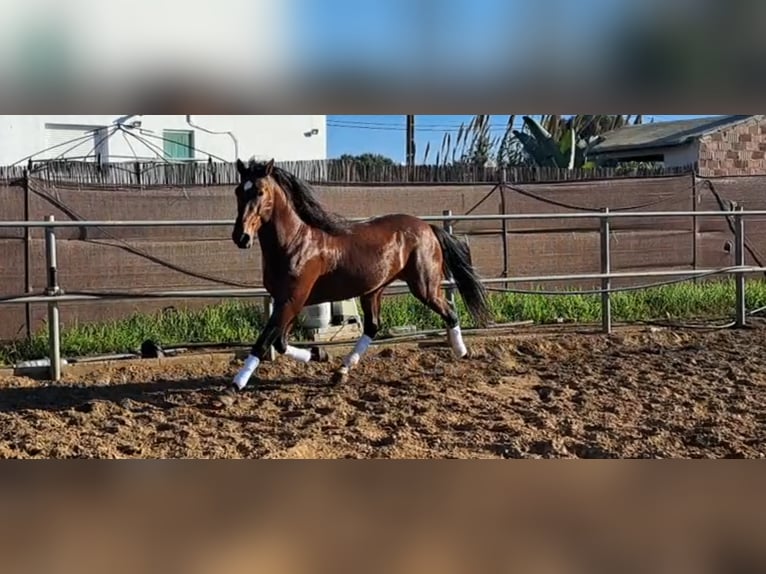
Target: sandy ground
[{"x": 557, "y": 394}]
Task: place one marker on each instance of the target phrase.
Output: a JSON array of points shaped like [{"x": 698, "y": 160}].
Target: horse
[{"x": 312, "y": 256}]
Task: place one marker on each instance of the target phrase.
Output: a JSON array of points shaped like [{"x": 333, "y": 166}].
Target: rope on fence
[
  {"x": 222, "y": 281},
  {"x": 135, "y": 250},
  {"x": 726, "y": 205},
  {"x": 571, "y": 206}
]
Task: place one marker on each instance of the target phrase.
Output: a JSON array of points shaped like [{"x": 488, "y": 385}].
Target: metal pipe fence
[
  {"x": 436, "y": 218},
  {"x": 53, "y": 295}
]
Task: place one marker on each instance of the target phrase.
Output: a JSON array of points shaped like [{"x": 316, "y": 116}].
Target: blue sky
[
  {"x": 453, "y": 36},
  {"x": 409, "y": 41},
  {"x": 385, "y": 134}
]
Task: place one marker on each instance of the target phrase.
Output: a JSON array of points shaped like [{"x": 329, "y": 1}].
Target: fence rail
[
  {"x": 487, "y": 217},
  {"x": 54, "y": 295}
]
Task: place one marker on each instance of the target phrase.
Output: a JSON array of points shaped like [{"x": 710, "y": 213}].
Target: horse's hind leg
[
  {"x": 439, "y": 305},
  {"x": 424, "y": 281},
  {"x": 371, "y": 312}
]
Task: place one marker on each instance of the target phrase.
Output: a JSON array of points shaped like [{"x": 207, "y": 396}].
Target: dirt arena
[{"x": 534, "y": 394}]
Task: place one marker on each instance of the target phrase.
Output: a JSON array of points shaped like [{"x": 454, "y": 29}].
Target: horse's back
[
  {"x": 374, "y": 253},
  {"x": 393, "y": 221}
]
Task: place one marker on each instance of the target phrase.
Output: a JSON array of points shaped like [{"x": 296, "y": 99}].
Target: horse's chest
[{"x": 278, "y": 269}]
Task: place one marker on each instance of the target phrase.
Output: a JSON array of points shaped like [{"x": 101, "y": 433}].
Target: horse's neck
[{"x": 279, "y": 235}]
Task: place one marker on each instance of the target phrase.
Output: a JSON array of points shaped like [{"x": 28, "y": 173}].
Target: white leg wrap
[
  {"x": 300, "y": 355},
  {"x": 455, "y": 338},
  {"x": 359, "y": 349},
  {"x": 244, "y": 374}
]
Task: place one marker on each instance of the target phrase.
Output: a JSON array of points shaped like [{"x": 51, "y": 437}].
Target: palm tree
[
  {"x": 556, "y": 141},
  {"x": 545, "y": 141}
]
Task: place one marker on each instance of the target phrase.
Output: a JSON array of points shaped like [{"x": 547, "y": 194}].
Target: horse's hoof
[
  {"x": 467, "y": 355},
  {"x": 227, "y": 397},
  {"x": 339, "y": 377},
  {"x": 319, "y": 355}
]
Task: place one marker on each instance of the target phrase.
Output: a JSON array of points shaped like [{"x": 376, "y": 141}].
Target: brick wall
[{"x": 739, "y": 150}]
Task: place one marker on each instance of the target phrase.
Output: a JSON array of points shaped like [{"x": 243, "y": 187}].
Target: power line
[
  {"x": 499, "y": 130},
  {"x": 395, "y": 128},
  {"x": 422, "y": 121},
  {"x": 435, "y": 127}
]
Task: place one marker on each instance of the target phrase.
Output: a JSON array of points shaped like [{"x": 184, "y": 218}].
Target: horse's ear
[
  {"x": 270, "y": 166},
  {"x": 241, "y": 167}
]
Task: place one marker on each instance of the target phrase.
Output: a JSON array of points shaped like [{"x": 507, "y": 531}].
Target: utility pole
[{"x": 410, "y": 141}]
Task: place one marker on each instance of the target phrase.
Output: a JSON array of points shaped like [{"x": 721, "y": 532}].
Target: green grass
[{"x": 240, "y": 321}]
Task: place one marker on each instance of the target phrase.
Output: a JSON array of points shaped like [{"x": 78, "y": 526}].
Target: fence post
[
  {"x": 606, "y": 283},
  {"x": 447, "y": 213},
  {"x": 739, "y": 257},
  {"x": 504, "y": 225},
  {"x": 54, "y": 334},
  {"x": 695, "y": 224},
  {"x": 27, "y": 252},
  {"x": 268, "y": 309}
]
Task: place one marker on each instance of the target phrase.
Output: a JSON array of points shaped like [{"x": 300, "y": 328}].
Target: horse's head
[{"x": 255, "y": 201}]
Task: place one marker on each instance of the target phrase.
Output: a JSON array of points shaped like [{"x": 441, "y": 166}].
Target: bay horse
[{"x": 312, "y": 256}]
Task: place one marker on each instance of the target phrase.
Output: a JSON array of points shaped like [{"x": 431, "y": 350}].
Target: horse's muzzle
[{"x": 243, "y": 241}]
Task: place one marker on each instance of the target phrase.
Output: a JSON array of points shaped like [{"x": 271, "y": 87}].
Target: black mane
[{"x": 306, "y": 205}]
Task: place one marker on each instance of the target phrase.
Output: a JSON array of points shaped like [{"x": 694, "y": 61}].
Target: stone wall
[{"x": 739, "y": 150}]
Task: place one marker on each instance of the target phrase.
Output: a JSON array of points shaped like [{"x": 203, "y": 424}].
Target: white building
[{"x": 176, "y": 138}]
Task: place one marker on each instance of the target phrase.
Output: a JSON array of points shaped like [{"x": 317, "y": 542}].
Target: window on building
[{"x": 178, "y": 144}]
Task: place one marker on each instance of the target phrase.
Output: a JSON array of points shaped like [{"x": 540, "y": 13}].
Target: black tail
[{"x": 457, "y": 265}]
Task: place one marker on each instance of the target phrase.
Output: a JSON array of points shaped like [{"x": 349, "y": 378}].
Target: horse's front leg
[
  {"x": 316, "y": 354},
  {"x": 371, "y": 311},
  {"x": 273, "y": 333},
  {"x": 266, "y": 339}
]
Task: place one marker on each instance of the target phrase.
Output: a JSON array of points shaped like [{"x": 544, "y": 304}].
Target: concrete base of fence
[
  {"x": 39, "y": 369},
  {"x": 349, "y": 332}
]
